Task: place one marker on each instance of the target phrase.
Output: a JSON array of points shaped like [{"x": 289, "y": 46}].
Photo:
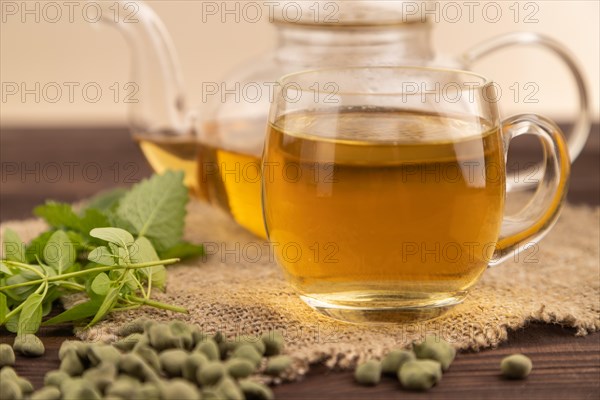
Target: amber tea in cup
[{"x": 388, "y": 206}]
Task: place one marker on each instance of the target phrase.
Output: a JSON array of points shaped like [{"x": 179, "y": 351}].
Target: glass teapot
[{"x": 219, "y": 147}]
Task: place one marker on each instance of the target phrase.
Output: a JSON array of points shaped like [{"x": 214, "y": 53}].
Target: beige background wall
[{"x": 83, "y": 52}]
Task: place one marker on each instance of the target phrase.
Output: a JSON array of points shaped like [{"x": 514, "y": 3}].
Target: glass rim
[{"x": 484, "y": 82}]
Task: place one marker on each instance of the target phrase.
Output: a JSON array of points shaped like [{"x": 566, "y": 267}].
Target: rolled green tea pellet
[
  {"x": 248, "y": 352},
  {"x": 129, "y": 342},
  {"x": 55, "y": 378},
  {"x": 433, "y": 348},
  {"x": 101, "y": 376},
  {"x": 516, "y": 366},
  {"x": 77, "y": 389},
  {"x": 255, "y": 391},
  {"x": 255, "y": 341},
  {"x": 171, "y": 361},
  {"x": 29, "y": 345},
  {"x": 278, "y": 364},
  {"x": 124, "y": 387},
  {"x": 100, "y": 353},
  {"x": 47, "y": 393},
  {"x": 274, "y": 343},
  {"x": 209, "y": 348},
  {"x": 229, "y": 390},
  {"x": 135, "y": 326},
  {"x": 391, "y": 363},
  {"x": 161, "y": 337},
  {"x": 149, "y": 355},
  {"x": 9, "y": 390},
  {"x": 149, "y": 391},
  {"x": 420, "y": 374},
  {"x": 71, "y": 363},
  {"x": 192, "y": 364},
  {"x": 239, "y": 367},
  {"x": 210, "y": 373},
  {"x": 79, "y": 347},
  {"x": 368, "y": 373},
  {"x": 179, "y": 389},
  {"x": 7, "y": 355}
]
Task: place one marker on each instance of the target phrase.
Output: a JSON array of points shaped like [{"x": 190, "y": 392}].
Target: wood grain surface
[{"x": 72, "y": 164}]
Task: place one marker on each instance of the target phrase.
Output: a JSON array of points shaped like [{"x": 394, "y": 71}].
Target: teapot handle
[
  {"x": 158, "y": 105},
  {"x": 580, "y": 131}
]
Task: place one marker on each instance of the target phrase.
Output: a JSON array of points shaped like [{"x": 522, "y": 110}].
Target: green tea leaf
[
  {"x": 107, "y": 304},
  {"x": 37, "y": 245},
  {"x": 101, "y": 284},
  {"x": 106, "y": 200},
  {"x": 31, "y": 314},
  {"x": 93, "y": 218},
  {"x": 118, "y": 236},
  {"x": 78, "y": 312},
  {"x": 12, "y": 324},
  {"x": 59, "y": 252},
  {"x": 58, "y": 215},
  {"x": 3, "y": 308},
  {"x": 183, "y": 250},
  {"x": 13, "y": 248},
  {"x": 142, "y": 251},
  {"x": 155, "y": 208},
  {"x": 102, "y": 255},
  {"x": 21, "y": 293}
]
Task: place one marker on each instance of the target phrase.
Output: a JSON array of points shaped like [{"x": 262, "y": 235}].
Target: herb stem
[{"x": 87, "y": 271}]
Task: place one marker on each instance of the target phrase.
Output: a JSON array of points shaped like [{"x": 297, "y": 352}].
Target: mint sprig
[{"x": 115, "y": 251}]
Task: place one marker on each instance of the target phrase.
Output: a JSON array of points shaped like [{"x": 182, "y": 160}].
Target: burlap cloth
[{"x": 235, "y": 293}]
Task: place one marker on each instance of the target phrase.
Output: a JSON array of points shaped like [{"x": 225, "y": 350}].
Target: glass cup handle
[
  {"x": 580, "y": 131},
  {"x": 528, "y": 226}
]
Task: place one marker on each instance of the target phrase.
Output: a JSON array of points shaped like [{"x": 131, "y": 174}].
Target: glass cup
[{"x": 384, "y": 188}]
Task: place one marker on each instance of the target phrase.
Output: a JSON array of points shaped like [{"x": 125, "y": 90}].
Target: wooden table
[{"x": 72, "y": 164}]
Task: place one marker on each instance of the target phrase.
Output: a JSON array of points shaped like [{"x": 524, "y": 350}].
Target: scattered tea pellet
[
  {"x": 149, "y": 391},
  {"x": 192, "y": 364},
  {"x": 179, "y": 389},
  {"x": 249, "y": 353},
  {"x": 274, "y": 342},
  {"x": 29, "y": 345},
  {"x": 161, "y": 337},
  {"x": 7, "y": 355},
  {"x": 135, "y": 326},
  {"x": 172, "y": 360},
  {"x": 229, "y": 390},
  {"x": 368, "y": 373},
  {"x": 278, "y": 364},
  {"x": 79, "y": 347},
  {"x": 255, "y": 391},
  {"x": 129, "y": 342},
  {"x": 77, "y": 389},
  {"x": 433, "y": 348},
  {"x": 124, "y": 387},
  {"x": 254, "y": 341},
  {"x": 101, "y": 376},
  {"x": 391, "y": 363},
  {"x": 210, "y": 373},
  {"x": 516, "y": 366},
  {"x": 209, "y": 348},
  {"x": 71, "y": 363},
  {"x": 103, "y": 353},
  {"x": 239, "y": 367},
  {"x": 149, "y": 355},
  {"x": 47, "y": 393},
  {"x": 9, "y": 390},
  {"x": 134, "y": 365},
  {"x": 55, "y": 378},
  {"x": 420, "y": 374}
]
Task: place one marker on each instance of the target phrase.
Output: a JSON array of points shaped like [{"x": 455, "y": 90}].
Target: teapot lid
[{"x": 350, "y": 12}]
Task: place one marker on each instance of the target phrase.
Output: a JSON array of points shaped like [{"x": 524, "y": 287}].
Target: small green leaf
[
  {"x": 80, "y": 311},
  {"x": 101, "y": 284},
  {"x": 3, "y": 308},
  {"x": 102, "y": 255},
  {"x": 37, "y": 245},
  {"x": 58, "y": 215},
  {"x": 106, "y": 200},
  {"x": 107, "y": 304},
  {"x": 12, "y": 324},
  {"x": 182, "y": 251},
  {"x": 93, "y": 218},
  {"x": 155, "y": 208},
  {"x": 31, "y": 314},
  {"x": 118, "y": 236},
  {"x": 59, "y": 251},
  {"x": 21, "y": 293},
  {"x": 13, "y": 248},
  {"x": 142, "y": 251}
]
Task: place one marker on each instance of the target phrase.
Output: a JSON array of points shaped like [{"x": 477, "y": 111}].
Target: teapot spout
[{"x": 160, "y": 106}]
